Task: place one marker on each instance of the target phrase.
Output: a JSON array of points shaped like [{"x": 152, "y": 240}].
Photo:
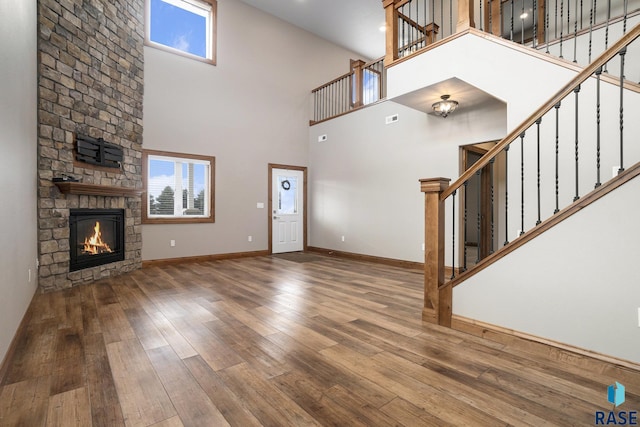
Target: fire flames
[{"x": 94, "y": 245}]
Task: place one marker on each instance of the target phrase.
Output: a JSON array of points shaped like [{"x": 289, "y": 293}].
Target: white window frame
[
  {"x": 179, "y": 215},
  {"x": 204, "y": 8}
]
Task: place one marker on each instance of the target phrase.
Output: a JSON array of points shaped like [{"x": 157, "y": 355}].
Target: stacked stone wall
[{"x": 90, "y": 83}]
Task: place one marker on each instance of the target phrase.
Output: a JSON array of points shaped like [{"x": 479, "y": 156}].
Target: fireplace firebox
[{"x": 96, "y": 237}]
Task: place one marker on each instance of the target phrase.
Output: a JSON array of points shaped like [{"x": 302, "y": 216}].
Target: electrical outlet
[
  {"x": 172, "y": 243},
  {"x": 343, "y": 238},
  {"x": 250, "y": 239},
  {"x": 423, "y": 246},
  {"x": 260, "y": 205},
  {"x": 29, "y": 275}
]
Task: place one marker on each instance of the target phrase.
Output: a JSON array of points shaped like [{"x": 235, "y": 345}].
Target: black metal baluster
[
  {"x": 598, "y": 74},
  {"x": 410, "y": 29},
  {"x": 577, "y": 92},
  {"x": 506, "y": 195},
  {"x": 479, "y": 219},
  {"x": 490, "y": 29},
  {"x": 591, "y": 17},
  {"x": 538, "y": 165},
  {"x": 624, "y": 21},
  {"x": 622, "y": 54},
  {"x": 511, "y": 28},
  {"x": 522, "y": 25},
  {"x": 481, "y": 16},
  {"x": 575, "y": 34},
  {"x": 581, "y": 14},
  {"x": 491, "y": 162},
  {"x": 522, "y": 183},
  {"x": 555, "y": 28},
  {"x": 561, "y": 24},
  {"x": 535, "y": 23},
  {"x": 546, "y": 24},
  {"x": 606, "y": 31},
  {"x": 557, "y": 107},
  {"x": 464, "y": 265},
  {"x": 453, "y": 229}
]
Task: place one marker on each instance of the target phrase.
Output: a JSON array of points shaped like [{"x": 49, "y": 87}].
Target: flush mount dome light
[{"x": 445, "y": 107}]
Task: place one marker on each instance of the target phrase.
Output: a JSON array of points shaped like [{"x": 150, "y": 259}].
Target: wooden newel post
[
  {"x": 391, "y": 22},
  {"x": 357, "y": 68},
  {"x": 437, "y": 301}
]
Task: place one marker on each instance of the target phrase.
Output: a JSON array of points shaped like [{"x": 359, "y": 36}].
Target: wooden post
[
  {"x": 391, "y": 19},
  {"x": 437, "y": 301},
  {"x": 430, "y": 33},
  {"x": 357, "y": 67},
  {"x": 465, "y": 15},
  {"x": 541, "y": 21}
]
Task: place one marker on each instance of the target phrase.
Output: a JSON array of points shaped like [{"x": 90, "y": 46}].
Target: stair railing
[
  {"x": 580, "y": 147},
  {"x": 576, "y": 30}
]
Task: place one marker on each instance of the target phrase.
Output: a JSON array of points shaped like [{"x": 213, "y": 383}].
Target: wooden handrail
[
  {"x": 337, "y": 79},
  {"x": 412, "y": 23},
  {"x": 530, "y": 121}
]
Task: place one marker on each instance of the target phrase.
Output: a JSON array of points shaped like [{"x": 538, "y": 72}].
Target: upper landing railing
[
  {"x": 576, "y": 30},
  {"x": 364, "y": 84}
]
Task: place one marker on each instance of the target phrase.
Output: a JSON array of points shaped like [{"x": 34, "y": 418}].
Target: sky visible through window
[{"x": 178, "y": 28}]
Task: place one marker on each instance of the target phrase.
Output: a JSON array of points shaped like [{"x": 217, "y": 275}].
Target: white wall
[
  {"x": 252, "y": 109},
  {"x": 576, "y": 283},
  {"x": 523, "y": 81},
  {"x": 18, "y": 142},
  {"x": 364, "y": 178}
]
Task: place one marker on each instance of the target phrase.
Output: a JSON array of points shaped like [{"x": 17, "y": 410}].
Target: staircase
[{"x": 552, "y": 166}]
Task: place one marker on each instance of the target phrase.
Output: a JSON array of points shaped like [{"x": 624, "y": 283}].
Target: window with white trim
[
  {"x": 179, "y": 188},
  {"x": 185, "y": 27}
]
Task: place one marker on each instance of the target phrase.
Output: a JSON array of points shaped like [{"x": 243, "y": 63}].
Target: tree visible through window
[
  {"x": 183, "y": 26},
  {"x": 179, "y": 187}
]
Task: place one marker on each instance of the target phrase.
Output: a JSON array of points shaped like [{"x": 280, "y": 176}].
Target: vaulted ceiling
[{"x": 353, "y": 24}]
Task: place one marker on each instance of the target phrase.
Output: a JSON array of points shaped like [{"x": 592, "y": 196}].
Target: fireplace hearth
[{"x": 96, "y": 237}]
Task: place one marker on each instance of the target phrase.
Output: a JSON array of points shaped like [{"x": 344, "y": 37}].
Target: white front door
[{"x": 287, "y": 210}]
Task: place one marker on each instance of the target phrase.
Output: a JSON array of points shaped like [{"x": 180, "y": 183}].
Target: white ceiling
[{"x": 353, "y": 24}]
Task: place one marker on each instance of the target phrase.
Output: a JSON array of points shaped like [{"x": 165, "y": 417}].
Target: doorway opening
[{"x": 478, "y": 206}]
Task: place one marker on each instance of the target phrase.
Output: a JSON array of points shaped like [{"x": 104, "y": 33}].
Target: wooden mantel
[{"x": 97, "y": 190}]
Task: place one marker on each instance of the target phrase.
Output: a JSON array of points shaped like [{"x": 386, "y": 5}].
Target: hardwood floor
[{"x": 276, "y": 342}]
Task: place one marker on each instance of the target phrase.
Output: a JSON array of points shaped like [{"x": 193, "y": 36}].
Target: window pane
[
  {"x": 183, "y": 28},
  {"x": 161, "y": 187},
  {"x": 287, "y": 195}
]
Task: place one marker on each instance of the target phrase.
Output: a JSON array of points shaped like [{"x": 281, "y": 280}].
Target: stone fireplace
[{"x": 90, "y": 84}]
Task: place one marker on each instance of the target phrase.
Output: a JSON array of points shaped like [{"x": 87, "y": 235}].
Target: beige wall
[
  {"x": 17, "y": 163},
  {"x": 252, "y": 109}
]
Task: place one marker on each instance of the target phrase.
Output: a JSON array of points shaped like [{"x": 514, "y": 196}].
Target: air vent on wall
[{"x": 391, "y": 119}]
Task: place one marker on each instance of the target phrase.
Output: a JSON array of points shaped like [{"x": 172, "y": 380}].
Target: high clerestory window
[
  {"x": 179, "y": 188},
  {"x": 184, "y": 27}
]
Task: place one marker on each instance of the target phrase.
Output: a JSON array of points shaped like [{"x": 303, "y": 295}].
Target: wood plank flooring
[{"x": 274, "y": 342}]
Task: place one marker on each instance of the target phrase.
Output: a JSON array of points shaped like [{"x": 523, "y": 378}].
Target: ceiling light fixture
[{"x": 445, "y": 107}]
